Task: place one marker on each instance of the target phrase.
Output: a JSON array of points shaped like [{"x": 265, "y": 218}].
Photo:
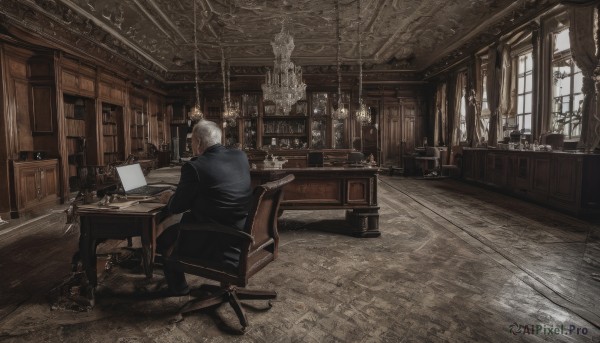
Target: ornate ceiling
[{"x": 157, "y": 35}]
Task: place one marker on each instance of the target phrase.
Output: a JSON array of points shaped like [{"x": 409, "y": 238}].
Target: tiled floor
[{"x": 455, "y": 263}]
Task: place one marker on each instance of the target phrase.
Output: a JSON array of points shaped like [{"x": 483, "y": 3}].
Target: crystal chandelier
[
  {"x": 231, "y": 110},
  {"x": 284, "y": 86},
  {"x": 341, "y": 112},
  {"x": 195, "y": 113},
  {"x": 363, "y": 114}
]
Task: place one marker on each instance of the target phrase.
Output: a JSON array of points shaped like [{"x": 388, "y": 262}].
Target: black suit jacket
[{"x": 214, "y": 186}]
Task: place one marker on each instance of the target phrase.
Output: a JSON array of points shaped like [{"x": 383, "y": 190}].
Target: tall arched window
[
  {"x": 524, "y": 91},
  {"x": 567, "y": 82}
]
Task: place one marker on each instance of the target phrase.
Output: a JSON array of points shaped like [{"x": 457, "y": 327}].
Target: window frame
[
  {"x": 520, "y": 109},
  {"x": 555, "y": 58}
]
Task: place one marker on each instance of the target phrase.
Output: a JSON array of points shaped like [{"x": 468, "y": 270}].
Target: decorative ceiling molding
[
  {"x": 519, "y": 14},
  {"x": 153, "y": 37}
]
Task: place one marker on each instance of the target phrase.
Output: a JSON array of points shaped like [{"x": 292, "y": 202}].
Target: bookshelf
[
  {"x": 138, "y": 130},
  {"x": 112, "y": 133},
  {"x": 79, "y": 131}
]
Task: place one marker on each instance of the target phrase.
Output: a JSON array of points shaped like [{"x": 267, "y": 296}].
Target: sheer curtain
[
  {"x": 471, "y": 110},
  {"x": 583, "y": 29}
]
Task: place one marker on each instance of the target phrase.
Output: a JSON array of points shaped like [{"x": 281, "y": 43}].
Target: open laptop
[{"x": 134, "y": 182}]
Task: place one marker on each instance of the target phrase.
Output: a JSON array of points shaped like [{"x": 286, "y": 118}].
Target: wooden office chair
[{"x": 259, "y": 244}]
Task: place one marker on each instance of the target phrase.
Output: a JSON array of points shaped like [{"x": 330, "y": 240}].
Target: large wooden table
[
  {"x": 324, "y": 188},
  {"x": 97, "y": 224},
  {"x": 350, "y": 189}
]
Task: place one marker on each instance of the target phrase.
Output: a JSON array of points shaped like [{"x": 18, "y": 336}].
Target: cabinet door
[
  {"x": 408, "y": 135},
  {"x": 29, "y": 186},
  {"x": 87, "y": 85},
  {"x": 70, "y": 81},
  {"x": 319, "y": 120},
  {"x": 522, "y": 175},
  {"x": 48, "y": 182},
  {"x": 250, "y": 133},
  {"x": 41, "y": 109},
  {"x": 318, "y": 133},
  {"x": 565, "y": 175},
  {"x": 541, "y": 175},
  {"x": 392, "y": 134}
]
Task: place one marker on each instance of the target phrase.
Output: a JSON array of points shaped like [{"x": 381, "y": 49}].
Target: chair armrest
[{"x": 216, "y": 227}]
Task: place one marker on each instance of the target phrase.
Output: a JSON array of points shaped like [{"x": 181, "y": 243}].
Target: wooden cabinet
[
  {"x": 325, "y": 131},
  {"x": 473, "y": 164},
  {"x": 34, "y": 183},
  {"x": 308, "y": 125},
  {"x": 565, "y": 181},
  {"x": 288, "y": 131},
  {"x": 41, "y": 108},
  {"x": 250, "y": 104}
]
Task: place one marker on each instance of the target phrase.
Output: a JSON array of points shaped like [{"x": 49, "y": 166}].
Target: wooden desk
[
  {"x": 138, "y": 220},
  {"x": 351, "y": 189}
]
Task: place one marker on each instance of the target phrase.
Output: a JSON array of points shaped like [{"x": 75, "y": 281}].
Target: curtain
[
  {"x": 494, "y": 79},
  {"x": 441, "y": 115},
  {"x": 505, "y": 106},
  {"x": 461, "y": 81},
  {"x": 583, "y": 35},
  {"x": 478, "y": 125},
  {"x": 470, "y": 90}
]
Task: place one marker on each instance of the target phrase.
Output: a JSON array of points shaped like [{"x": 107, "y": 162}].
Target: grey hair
[{"x": 207, "y": 132}]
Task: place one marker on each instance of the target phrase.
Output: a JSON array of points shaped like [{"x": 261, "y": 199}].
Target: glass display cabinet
[
  {"x": 318, "y": 123},
  {"x": 339, "y": 137},
  {"x": 250, "y": 112}
]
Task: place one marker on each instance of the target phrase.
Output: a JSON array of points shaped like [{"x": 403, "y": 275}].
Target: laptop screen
[{"x": 131, "y": 176}]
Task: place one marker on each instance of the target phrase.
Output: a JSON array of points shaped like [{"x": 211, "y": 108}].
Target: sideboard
[{"x": 566, "y": 181}]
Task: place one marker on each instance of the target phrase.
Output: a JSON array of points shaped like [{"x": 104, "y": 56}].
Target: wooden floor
[{"x": 455, "y": 263}]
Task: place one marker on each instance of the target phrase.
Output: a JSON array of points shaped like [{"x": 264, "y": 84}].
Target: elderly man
[{"x": 214, "y": 187}]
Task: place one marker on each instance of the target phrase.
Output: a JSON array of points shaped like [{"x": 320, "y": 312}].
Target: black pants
[{"x": 213, "y": 247}]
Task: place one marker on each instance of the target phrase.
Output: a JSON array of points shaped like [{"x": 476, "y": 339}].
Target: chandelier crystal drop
[
  {"x": 231, "y": 109},
  {"x": 284, "y": 85},
  {"x": 195, "y": 113},
  {"x": 363, "y": 114}
]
